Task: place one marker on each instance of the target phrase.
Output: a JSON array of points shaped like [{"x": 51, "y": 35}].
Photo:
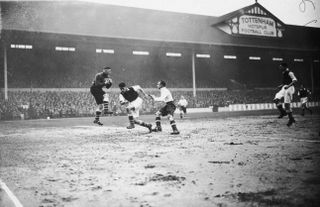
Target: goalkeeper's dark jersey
[{"x": 99, "y": 80}]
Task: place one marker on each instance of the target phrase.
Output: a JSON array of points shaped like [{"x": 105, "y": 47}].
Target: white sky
[{"x": 294, "y": 12}]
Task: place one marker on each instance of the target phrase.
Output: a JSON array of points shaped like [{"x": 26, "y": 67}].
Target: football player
[
  {"x": 304, "y": 94},
  {"x": 129, "y": 96},
  {"x": 182, "y": 104},
  {"x": 101, "y": 80},
  {"x": 167, "y": 110},
  {"x": 286, "y": 92}
]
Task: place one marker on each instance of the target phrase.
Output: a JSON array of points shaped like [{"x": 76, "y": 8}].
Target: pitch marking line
[
  {"x": 10, "y": 194},
  {"x": 295, "y": 140}
]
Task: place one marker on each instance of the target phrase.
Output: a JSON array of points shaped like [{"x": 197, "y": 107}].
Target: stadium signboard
[{"x": 255, "y": 25}]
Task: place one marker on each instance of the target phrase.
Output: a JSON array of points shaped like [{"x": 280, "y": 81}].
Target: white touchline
[{"x": 10, "y": 194}]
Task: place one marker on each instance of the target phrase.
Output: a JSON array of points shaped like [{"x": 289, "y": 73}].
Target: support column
[
  {"x": 312, "y": 78},
  {"x": 5, "y": 72},
  {"x": 194, "y": 75}
]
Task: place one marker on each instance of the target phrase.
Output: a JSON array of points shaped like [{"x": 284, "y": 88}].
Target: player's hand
[{"x": 123, "y": 102}]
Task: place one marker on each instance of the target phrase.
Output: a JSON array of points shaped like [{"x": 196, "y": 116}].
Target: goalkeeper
[{"x": 101, "y": 80}]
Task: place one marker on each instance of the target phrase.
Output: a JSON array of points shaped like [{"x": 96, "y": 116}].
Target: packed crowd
[{"x": 56, "y": 104}]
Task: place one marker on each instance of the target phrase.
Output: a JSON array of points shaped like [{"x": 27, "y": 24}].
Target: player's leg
[
  {"x": 173, "y": 124},
  {"x": 106, "y": 104},
  {"x": 144, "y": 124},
  {"x": 98, "y": 114},
  {"x": 137, "y": 104},
  {"x": 130, "y": 117},
  {"x": 170, "y": 111},
  {"x": 99, "y": 100},
  {"x": 184, "y": 109},
  {"x": 310, "y": 111},
  {"x": 278, "y": 103},
  {"x": 289, "y": 112},
  {"x": 287, "y": 102},
  {"x": 303, "y": 107},
  {"x": 181, "y": 112},
  {"x": 158, "y": 127},
  {"x": 280, "y": 108}
]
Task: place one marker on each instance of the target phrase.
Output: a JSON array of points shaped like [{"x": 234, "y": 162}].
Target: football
[{"x": 107, "y": 80}]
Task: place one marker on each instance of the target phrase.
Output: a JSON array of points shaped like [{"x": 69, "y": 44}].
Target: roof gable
[
  {"x": 254, "y": 9},
  {"x": 253, "y": 20}
]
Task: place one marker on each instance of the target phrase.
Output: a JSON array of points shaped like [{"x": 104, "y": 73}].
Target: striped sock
[
  {"x": 158, "y": 122},
  {"x": 141, "y": 123},
  {"x": 98, "y": 114},
  {"x": 173, "y": 125},
  {"x": 131, "y": 120},
  {"x": 106, "y": 106}
]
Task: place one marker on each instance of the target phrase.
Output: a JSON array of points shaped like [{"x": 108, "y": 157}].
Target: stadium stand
[{"x": 34, "y": 104}]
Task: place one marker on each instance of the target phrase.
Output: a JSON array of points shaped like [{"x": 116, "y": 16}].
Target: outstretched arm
[
  {"x": 139, "y": 89},
  {"x": 123, "y": 101}
]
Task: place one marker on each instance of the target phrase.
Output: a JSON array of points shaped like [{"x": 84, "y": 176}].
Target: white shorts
[
  {"x": 287, "y": 94},
  {"x": 106, "y": 97},
  {"x": 136, "y": 104},
  {"x": 304, "y": 100}
]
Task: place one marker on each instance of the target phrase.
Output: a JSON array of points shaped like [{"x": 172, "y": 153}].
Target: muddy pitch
[{"x": 229, "y": 161}]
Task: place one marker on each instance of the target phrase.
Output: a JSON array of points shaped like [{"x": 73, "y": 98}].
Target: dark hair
[
  {"x": 122, "y": 85},
  {"x": 163, "y": 83},
  {"x": 107, "y": 67},
  {"x": 285, "y": 65}
]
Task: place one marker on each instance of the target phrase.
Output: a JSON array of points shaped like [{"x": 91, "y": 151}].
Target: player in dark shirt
[
  {"x": 286, "y": 92},
  {"x": 101, "y": 80},
  {"x": 304, "y": 94},
  {"x": 130, "y": 96}
]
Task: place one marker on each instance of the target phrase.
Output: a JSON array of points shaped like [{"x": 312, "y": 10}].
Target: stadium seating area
[{"x": 56, "y": 104}]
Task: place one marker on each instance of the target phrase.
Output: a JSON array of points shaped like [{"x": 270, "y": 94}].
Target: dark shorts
[
  {"x": 169, "y": 108},
  {"x": 183, "y": 108},
  {"x": 97, "y": 93}
]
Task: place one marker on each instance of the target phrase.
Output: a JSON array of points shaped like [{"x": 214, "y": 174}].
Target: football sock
[
  {"x": 106, "y": 106},
  {"x": 98, "y": 114},
  {"x": 173, "y": 125},
  {"x": 158, "y": 122}
]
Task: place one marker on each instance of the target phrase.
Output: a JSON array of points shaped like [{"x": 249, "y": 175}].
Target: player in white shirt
[
  {"x": 167, "y": 110},
  {"x": 182, "y": 104}
]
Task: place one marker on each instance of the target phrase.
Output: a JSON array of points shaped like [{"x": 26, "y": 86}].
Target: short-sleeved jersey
[
  {"x": 288, "y": 77},
  {"x": 165, "y": 95},
  {"x": 183, "y": 102},
  {"x": 131, "y": 94}
]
